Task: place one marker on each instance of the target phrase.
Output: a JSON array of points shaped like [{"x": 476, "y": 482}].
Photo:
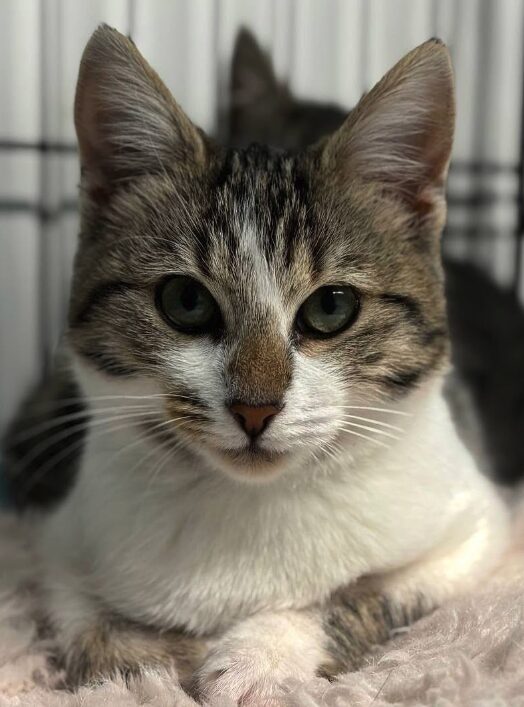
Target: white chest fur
[{"x": 200, "y": 551}]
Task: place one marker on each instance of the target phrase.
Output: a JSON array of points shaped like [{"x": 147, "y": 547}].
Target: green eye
[
  {"x": 187, "y": 305},
  {"x": 328, "y": 310}
]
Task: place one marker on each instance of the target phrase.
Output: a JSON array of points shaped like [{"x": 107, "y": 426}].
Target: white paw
[{"x": 254, "y": 661}]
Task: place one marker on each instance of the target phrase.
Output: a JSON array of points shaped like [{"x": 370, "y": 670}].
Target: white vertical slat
[
  {"x": 19, "y": 76},
  {"x": 281, "y": 32},
  {"x": 348, "y": 31},
  {"x": 500, "y": 108},
  {"x": 313, "y": 70},
  {"x": 393, "y": 29},
  {"x": 78, "y": 20},
  {"x": 19, "y": 322},
  {"x": 262, "y": 19},
  {"x": 258, "y": 16},
  {"x": 19, "y": 183},
  {"x": 52, "y": 129},
  {"x": 178, "y": 39},
  {"x": 464, "y": 34}
]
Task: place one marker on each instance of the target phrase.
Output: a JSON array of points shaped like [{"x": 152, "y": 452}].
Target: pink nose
[{"x": 253, "y": 420}]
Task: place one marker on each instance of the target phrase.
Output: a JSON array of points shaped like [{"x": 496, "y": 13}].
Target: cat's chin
[{"x": 254, "y": 464}]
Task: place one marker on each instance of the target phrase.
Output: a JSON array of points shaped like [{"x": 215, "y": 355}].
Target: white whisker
[
  {"x": 35, "y": 452},
  {"x": 373, "y": 422},
  {"x": 60, "y": 419},
  {"x": 384, "y": 433},
  {"x": 64, "y": 453},
  {"x": 369, "y": 439},
  {"x": 372, "y": 409}
]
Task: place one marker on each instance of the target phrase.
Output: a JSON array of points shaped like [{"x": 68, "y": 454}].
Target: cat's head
[
  {"x": 263, "y": 109},
  {"x": 270, "y": 302}
]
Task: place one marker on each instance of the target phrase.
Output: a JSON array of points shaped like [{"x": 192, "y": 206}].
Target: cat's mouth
[{"x": 252, "y": 459}]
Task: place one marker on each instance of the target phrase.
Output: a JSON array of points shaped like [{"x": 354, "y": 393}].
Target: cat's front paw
[
  {"x": 106, "y": 651},
  {"x": 256, "y": 660}
]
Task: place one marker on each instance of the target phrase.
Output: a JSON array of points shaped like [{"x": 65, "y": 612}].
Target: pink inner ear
[
  {"x": 427, "y": 199},
  {"x": 90, "y": 137}
]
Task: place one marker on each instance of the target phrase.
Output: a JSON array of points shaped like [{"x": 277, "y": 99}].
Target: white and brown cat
[{"x": 271, "y": 480}]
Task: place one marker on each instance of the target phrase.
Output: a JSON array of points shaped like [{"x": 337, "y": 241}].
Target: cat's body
[{"x": 279, "y": 482}]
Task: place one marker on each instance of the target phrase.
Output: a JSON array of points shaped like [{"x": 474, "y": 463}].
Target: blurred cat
[{"x": 486, "y": 321}]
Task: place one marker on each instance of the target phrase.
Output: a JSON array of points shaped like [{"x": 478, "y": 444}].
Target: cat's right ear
[{"x": 127, "y": 122}]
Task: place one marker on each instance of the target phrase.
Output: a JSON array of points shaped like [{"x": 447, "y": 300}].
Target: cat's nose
[{"x": 254, "y": 419}]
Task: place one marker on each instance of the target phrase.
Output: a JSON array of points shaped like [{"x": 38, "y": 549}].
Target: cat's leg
[
  {"x": 94, "y": 643},
  {"x": 112, "y": 646}
]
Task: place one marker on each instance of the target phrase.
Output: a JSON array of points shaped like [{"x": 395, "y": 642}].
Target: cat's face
[{"x": 266, "y": 300}]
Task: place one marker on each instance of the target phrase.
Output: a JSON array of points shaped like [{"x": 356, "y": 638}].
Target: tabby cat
[{"x": 271, "y": 480}]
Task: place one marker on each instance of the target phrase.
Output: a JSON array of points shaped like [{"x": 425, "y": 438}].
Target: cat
[
  {"x": 271, "y": 480},
  {"x": 486, "y": 322}
]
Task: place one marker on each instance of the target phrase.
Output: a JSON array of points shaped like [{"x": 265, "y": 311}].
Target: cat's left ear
[
  {"x": 127, "y": 122},
  {"x": 400, "y": 134}
]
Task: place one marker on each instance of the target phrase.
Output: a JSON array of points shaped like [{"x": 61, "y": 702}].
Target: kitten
[
  {"x": 486, "y": 322},
  {"x": 283, "y": 484}
]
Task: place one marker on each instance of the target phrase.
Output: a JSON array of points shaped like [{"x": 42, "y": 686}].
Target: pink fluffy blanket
[{"x": 469, "y": 652}]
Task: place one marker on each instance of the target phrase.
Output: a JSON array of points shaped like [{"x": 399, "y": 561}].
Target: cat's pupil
[
  {"x": 189, "y": 297},
  {"x": 328, "y": 302}
]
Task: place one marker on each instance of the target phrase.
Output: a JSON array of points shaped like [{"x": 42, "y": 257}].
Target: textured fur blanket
[{"x": 469, "y": 652}]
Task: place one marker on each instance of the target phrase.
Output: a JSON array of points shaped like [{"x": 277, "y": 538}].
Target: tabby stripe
[
  {"x": 188, "y": 398},
  {"x": 403, "y": 379},
  {"x": 354, "y": 624},
  {"x": 410, "y": 306},
  {"x": 107, "y": 363},
  {"x": 97, "y": 296},
  {"x": 202, "y": 250},
  {"x": 413, "y": 312}
]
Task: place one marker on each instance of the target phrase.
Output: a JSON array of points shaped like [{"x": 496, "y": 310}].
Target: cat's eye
[
  {"x": 187, "y": 305},
  {"x": 329, "y": 310}
]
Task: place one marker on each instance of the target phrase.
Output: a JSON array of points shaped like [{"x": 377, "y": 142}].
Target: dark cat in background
[{"x": 486, "y": 322}]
